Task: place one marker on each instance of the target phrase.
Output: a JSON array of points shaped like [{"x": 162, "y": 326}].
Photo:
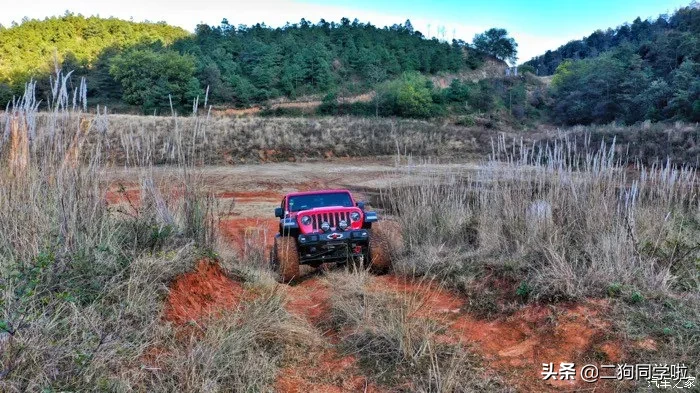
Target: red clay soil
[
  {"x": 251, "y": 196},
  {"x": 310, "y": 299},
  {"x": 129, "y": 195},
  {"x": 201, "y": 293},
  {"x": 328, "y": 372},
  {"x": 522, "y": 342},
  {"x": 246, "y": 233}
]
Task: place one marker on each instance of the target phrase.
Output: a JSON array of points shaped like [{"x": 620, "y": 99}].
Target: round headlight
[
  {"x": 343, "y": 225},
  {"x": 306, "y": 220},
  {"x": 326, "y": 226},
  {"x": 354, "y": 216}
]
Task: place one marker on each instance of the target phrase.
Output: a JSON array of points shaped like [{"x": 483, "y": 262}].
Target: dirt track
[{"x": 513, "y": 346}]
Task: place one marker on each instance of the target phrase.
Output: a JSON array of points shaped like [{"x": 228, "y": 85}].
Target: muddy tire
[
  {"x": 379, "y": 251},
  {"x": 285, "y": 258}
]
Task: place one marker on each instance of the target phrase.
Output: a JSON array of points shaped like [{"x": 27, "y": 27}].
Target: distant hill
[
  {"x": 151, "y": 65},
  {"x": 251, "y": 64},
  {"x": 325, "y": 68},
  {"x": 678, "y": 33},
  {"x": 647, "y": 70}
]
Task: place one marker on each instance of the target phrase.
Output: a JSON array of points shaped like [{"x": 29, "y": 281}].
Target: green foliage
[
  {"x": 615, "y": 289},
  {"x": 496, "y": 42},
  {"x": 150, "y": 78},
  {"x": 526, "y": 68},
  {"x": 466, "y": 121},
  {"x": 643, "y": 71},
  {"x": 663, "y": 43},
  {"x": 144, "y": 64},
  {"x": 329, "y": 105},
  {"x": 620, "y": 86},
  {"x": 524, "y": 290},
  {"x": 483, "y": 97},
  {"x": 28, "y": 50},
  {"x": 250, "y": 64},
  {"x": 408, "y": 96},
  {"x": 5, "y": 94},
  {"x": 457, "y": 91},
  {"x": 636, "y": 297}
]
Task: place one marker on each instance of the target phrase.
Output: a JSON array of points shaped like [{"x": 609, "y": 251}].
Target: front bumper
[{"x": 332, "y": 246}]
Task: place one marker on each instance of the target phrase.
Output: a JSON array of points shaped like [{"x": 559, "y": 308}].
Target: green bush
[{"x": 408, "y": 96}]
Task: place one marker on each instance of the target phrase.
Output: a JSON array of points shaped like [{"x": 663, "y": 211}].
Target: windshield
[{"x": 305, "y": 202}]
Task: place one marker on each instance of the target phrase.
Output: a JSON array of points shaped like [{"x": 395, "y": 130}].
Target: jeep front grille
[{"x": 332, "y": 218}]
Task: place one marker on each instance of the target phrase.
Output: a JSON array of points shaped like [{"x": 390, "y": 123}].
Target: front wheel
[
  {"x": 285, "y": 258},
  {"x": 379, "y": 251}
]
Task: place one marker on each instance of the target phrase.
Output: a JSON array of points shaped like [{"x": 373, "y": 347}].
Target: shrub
[{"x": 408, "y": 96}]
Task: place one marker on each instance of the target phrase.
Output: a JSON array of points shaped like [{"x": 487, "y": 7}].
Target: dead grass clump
[
  {"x": 63, "y": 340},
  {"x": 564, "y": 223},
  {"x": 236, "y": 351}
]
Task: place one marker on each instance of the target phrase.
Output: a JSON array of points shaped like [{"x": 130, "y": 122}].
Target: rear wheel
[{"x": 285, "y": 258}]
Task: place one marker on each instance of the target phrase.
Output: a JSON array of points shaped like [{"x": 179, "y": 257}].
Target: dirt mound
[{"x": 200, "y": 293}]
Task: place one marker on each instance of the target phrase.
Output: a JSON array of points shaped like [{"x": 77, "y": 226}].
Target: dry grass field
[{"x": 133, "y": 257}]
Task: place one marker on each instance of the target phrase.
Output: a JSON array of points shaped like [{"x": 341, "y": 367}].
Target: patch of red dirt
[
  {"x": 534, "y": 335},
  {"x": 612, "y": 351},
  {"x": 251, "y": 196},
  {"x": 116, "y": 196},
  {"x": 310, "y": 299},
  {"x": 131, "y": 194},
  {"x": 200, "y": 293},
  {"x": 328, "y": 372},
  {"x": 249, "y": 233}
]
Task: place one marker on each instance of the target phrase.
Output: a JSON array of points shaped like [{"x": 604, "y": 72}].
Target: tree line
[
  {"x": 151, "y": 65},
  {"x": 647, "y": 70}
]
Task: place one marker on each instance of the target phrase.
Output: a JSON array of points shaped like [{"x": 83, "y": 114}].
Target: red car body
[
  {"x": 331, "y": 214},
  {"x": 325, "y": 209}
]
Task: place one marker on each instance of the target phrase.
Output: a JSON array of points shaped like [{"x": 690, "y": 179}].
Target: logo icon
[{"x": 335, "y": 236}]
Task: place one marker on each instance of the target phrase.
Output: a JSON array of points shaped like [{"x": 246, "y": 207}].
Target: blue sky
[{"x": 537, "y": 25}]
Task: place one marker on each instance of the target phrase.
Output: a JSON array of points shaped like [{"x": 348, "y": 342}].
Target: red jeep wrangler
[{"x": 318, "y": 227}]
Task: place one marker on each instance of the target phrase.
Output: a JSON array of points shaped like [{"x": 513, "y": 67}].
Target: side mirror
[
  {"x": 361, "y": 205},
  {"x": 279, "y": 212}
]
